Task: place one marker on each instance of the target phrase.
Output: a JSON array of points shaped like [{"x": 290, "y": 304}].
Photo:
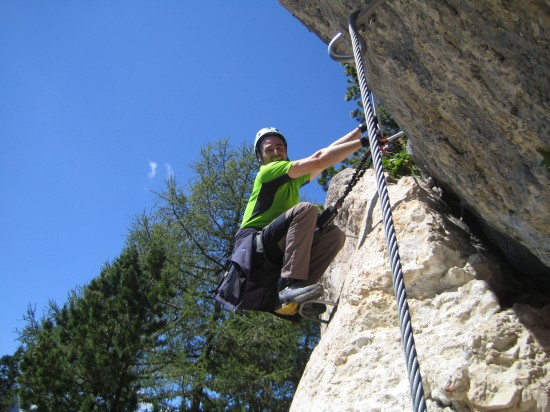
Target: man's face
[{"x": 273, "y": 149}]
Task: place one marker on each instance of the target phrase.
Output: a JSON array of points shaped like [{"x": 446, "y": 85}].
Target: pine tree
[{"x": 87, "y": 355}]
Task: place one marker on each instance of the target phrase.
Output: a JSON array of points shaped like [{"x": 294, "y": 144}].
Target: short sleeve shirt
[{"x": 273, "y": 194}]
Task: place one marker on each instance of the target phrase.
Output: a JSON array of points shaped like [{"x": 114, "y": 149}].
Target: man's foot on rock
[{"x": 294, "y": 292}]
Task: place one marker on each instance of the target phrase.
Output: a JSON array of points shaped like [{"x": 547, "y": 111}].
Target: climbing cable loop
[{"x": 413, "y": 369}]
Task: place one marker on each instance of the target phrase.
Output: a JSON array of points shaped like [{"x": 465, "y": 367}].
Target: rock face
[
  {"x": 469, "y": 83},
  {"x": 475, "y": 352}
]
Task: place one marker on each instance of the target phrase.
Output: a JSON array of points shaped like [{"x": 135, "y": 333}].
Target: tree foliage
[{"x": 88, "y": 354}]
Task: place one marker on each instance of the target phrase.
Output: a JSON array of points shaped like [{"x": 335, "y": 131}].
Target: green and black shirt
[{"x": 273, "y": 194}]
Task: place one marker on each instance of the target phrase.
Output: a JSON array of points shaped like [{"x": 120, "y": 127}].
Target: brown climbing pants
[{"x": 292, "y": 243}]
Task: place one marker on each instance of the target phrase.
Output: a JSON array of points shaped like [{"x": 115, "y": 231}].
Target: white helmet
[{"x": 265, "y": 132}]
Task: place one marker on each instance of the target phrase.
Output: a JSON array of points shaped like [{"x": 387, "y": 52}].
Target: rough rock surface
[
  {"x": 469, "y": 82},
  {"x": 475, "y": 354}
]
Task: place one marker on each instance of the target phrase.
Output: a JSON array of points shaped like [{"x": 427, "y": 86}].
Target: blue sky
[{"x": 101, "y": 100}]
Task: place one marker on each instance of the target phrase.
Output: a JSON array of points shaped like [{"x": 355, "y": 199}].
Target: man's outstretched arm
[
  {"x": 329, "y": 156},
  {"x": 353, "y": 135}
]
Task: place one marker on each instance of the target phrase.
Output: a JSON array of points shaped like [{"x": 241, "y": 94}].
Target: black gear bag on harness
[
  {"x": 232, "y": 287},
  {"x": 241, "y": 287}
]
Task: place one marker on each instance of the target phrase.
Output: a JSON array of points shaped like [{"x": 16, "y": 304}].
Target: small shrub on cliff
[{"x": 400, "y": 164}]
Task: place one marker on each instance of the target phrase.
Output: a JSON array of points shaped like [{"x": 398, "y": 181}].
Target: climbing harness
[{"x": 359, "y": 45}]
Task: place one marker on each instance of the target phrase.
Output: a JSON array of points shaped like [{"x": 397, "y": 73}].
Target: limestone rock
[
  {"x": 469, "y": 82},
  {"x": 474, "y": 353}
]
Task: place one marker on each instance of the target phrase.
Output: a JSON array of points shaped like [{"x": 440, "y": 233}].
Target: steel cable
[{"x": 413, "y": 368}]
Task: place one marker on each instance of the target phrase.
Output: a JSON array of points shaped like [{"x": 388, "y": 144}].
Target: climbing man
[{"x": 288, "y": 254}]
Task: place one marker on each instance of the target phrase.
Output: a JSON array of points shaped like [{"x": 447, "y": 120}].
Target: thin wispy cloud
[
  {"x": 153, "y": 169},
  {"x": 169, "y": 170}
]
